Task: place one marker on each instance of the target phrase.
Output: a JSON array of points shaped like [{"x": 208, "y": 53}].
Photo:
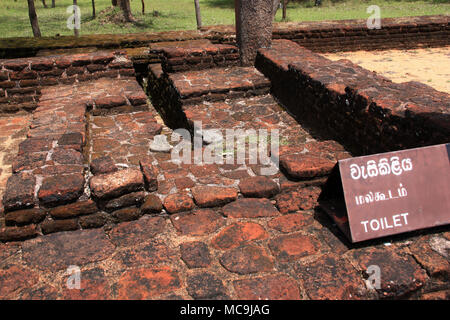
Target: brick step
[
  {"x": 194, "y": 55},
  {"x": 170, "y": 92},
  {"x": 219, "y": 84}
]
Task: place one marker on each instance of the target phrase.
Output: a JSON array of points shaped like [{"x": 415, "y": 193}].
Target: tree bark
[
  {"x": 114, "y": 3},
  {"x": 75, "y": 13},
  {"x": 53, "y": 4},
  {"x": 198, "y": 15},
  {"x": 93, "y": 8},
  {"x": 33, "y": 19},
  {"x": 143, "y": 7},
  {"x": 43, "y": 2},
  {"x": 125, "y": 6},
  {"x": 254, "y": 20}
]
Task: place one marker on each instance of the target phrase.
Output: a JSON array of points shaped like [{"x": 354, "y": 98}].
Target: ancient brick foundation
[
  {"x": 21, "y": 80},
  {"x": 366, "y": 112}
]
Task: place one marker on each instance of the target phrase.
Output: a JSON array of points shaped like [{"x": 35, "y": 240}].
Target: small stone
[
  {"x": 250, "y": 208},
  {"x": 258, "y": 187},
  {"x": 152, "y": 204},
  {"x": 195, "y": 254},
  {"x": 206, "y": 196},
  {"x": 61, "y": 189},
  {"x": 103, "y": 164},
  {"x": 24, "y": 217},
  {"x": 127, "y": 200},
  {"x": 160, "y": 144},
  {"x": 178, "y": 202},
  {"x": 74, "y": 209},
  {"x": 115, "y": 184},
  {"x": 247, "y": 259}
]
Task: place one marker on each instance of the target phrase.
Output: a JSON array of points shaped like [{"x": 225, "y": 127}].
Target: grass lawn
[{"x": 164, "y": 15}]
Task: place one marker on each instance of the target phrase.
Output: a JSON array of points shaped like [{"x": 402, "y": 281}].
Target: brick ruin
[{"x": 87, "y": 164}]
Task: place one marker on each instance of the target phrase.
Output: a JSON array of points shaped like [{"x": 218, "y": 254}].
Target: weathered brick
[
  {"x": 205, "y": 285},
  {"x": 24, "y": 217},
  {"x": 238, "y": 234},
  {"x": 14, "y": 277},
  {"x": 19, "y": 192},
  {"x": 302, "y": 199},
  {"x": 127, "y": 214},
  {"x": 150, "y": 175},
  {"x": 330, "y": 278},
  {"x": 67, "y": 156},
  {"x": 127, "y": 200},
  {"x": 61, "y": 189},
  {"x": 144, "y": 229},
  {"x": 250, "y": 208},
  {"x": 277, "y": 287},
  {"x": 247, "y": 259},
  {"x": 291, "y": 222},
  {"x": 145, "y": 283},
  {"x": 400, "y": 273},
  {"x": 103, "y": 164},
  {"x": 197, "y": 223},
  {"x": 294, "y": 246},
  {"x": 206, "y": 196},
  {"x": 51, "y": 226},
  {"x": 115, "y": 184},
  {"x": 74, "y": 209},
  {"x": 258, "y": 187},
  {"x": 95, "y": 220},
  {"x": 15, "y": 233},
  {"x": 152, "y": 204},
  {"x": 195, "y": 254},
  {"x": 178, "y": 202},
  {"x": 299, "y": 166}
]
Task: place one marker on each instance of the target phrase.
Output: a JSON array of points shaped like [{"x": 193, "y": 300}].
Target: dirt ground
[{"x": 429, "y": 65}]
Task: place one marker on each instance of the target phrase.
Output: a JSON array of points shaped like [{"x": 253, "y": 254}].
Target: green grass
[{"x": 180, "y": 15}]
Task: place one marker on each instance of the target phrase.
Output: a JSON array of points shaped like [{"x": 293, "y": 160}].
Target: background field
[{"x": 179, "y": 14}]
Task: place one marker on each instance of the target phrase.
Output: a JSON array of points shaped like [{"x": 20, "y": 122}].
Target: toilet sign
[{"x": 385, "y": 194}]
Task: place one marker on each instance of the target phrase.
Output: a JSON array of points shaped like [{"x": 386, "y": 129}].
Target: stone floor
[{"x": 206, "y": 231}]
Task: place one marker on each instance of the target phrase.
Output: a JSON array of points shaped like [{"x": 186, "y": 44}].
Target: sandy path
[{"x": 429, "y": 65}]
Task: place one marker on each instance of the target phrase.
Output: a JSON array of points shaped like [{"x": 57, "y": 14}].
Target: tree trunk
[
  {"x": 143, "y": 7},
  {"x": 93, "y": 9},
  {"x": 285, "y": 3},
  {"x": 114, "y": 3},
  {"x": 53, "y": 4},
  {"x": 75, "y": 16},
  {"x": 198, "y": 16},
  {"x": 125, "y": 6},
  {"x": 43, "y": 2},
  {"x": 33, "y": 19},
  {"x": 254, "y": 20}
]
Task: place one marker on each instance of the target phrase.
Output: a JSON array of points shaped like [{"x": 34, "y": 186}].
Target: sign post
[{"x": 385, "y": 194}]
